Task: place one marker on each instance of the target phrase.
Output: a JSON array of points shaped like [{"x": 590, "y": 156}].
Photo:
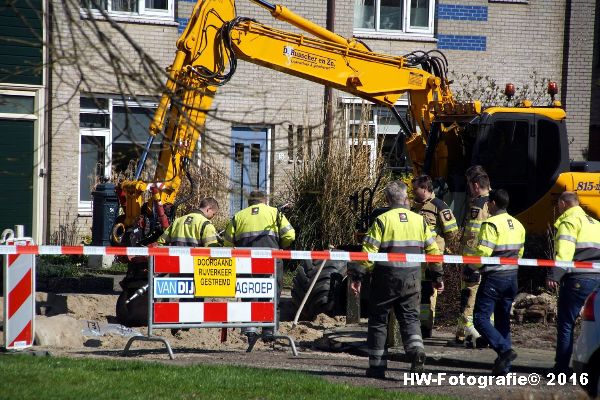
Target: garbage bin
[{"x": 104, "y": 213}]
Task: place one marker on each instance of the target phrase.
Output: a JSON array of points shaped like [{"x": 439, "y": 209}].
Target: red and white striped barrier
[
  {"x": 181, "y": 313},
  {"x": 19, "y": 303},
  {"x": 203, "y": 312},
  {"x": 288, "y": 255}
]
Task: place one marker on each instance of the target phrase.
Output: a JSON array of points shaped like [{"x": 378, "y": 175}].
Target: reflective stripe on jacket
[
  {"x": 441, "y": 221},
  {"x": 501, "y": 235},
  {"x": 577, "y": 239},
  {"x": 259, "y": 225},
  {"x": 191, "y": 230},
  {"x": 478, "y": 213},
  {"x": 401, "y": 231}
]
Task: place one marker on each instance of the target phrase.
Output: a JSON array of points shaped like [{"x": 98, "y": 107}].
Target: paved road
[{"x": 453, "y": 371}]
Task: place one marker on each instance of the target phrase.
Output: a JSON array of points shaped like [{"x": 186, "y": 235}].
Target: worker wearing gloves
[
  {"x": 396, "y": 284},
  {"x": 193, "y": 229},
  {"x": 444, "y": 229},
  {"x": 577, "y": 239},
  {"x": 501, "y": 235},
  {"x": 260, "y": 226},
  {"x": 479, "y": 186}
]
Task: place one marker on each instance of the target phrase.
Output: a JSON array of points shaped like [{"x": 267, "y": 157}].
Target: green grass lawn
[{"x": 26, "y": 377}]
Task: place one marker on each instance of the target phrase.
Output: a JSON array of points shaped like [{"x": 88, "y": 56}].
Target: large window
[
  {"x": 394, "y": 16},
  {"x": 503, "y": 149},
  {"x": 132, "y": 8},
  {"x": 374, "y": 129},
  {"x": 505, "y": 140},
  {"x": 113, "y": 136}
]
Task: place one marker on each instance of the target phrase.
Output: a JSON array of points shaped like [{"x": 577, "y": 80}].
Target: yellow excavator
[{"x": 524, "y": 149}]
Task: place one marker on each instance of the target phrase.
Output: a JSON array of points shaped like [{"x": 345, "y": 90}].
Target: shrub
[
  {"x": 209, "y": 181},
  {"x": 60, "y": 266},
  {"x": 319, "y": 192},
  {"x": 474, "y": 86}
]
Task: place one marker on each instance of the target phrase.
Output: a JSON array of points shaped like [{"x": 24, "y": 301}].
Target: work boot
[
  {"x": 425, "y": 332},
  {"x": 418, "y": 361},
  {"x": 472, "y": 338},
  {"x": 456, "y": 342},
  {"x": 481, "y": 343},
  {"x": 176, "y": 332},
  {"x": 249, "y": 331},
  {"x": 377, "y": 373},
  {"x": 503, "y": 362},
  {"x": 268, "y": 335}
]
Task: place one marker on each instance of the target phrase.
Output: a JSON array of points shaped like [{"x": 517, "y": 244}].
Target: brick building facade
[{"x": 506, "y": 40}]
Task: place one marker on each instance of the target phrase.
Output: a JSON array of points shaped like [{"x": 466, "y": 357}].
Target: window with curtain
[
  {"x": 134, "y": 8},
  {"x": 394, "y": 16}
]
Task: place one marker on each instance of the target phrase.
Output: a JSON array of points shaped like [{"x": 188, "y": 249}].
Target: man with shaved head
[{"x": 577, "y": 239}]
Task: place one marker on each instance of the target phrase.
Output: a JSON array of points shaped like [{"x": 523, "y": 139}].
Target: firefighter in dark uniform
[
  {"x": 577, "y": 239},
  {"x": 479, "y": 186},
  {"x": 193, "y": 229},
  {"x": 444, "y": 228},
  {"x": 396, "y": 284},
  {"x": 501, "y": 235},
  {"x": 261, "y": 226}
]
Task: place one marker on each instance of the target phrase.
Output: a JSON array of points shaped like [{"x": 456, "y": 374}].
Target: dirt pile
[
  {"x": 530, "y": 308},
  {"x": 96, "y": 327}
]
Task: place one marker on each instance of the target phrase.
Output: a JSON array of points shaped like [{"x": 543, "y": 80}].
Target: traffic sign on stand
[{"x": 19, "y": 299}]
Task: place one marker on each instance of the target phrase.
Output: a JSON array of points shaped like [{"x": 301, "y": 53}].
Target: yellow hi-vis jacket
[
  {"x": 500, "y": 236},
  {"x": 259, "y": 225},
  {"x": 577, "y": 239},
  {"x": 191, "y": 230},
  {"x": 401, "y": 231}
]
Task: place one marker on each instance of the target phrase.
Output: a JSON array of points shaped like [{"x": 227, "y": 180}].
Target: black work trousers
[{"x": 398, "y": 288}]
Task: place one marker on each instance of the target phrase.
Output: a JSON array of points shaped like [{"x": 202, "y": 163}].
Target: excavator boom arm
[{"x": 207, "y": 53}]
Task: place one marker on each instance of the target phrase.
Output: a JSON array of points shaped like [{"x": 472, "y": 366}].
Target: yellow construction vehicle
[{"x": 524, "y": 148}]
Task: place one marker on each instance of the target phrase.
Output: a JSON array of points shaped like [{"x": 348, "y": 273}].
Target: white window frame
[
  {"x": 423, "y": 31},
  {"x": 141, "y": 14},
  {"x": 403, "y": 101},
  {"x": 372, "y": 142},
  {"x": 17, "y": 93},
  {"x": 85, "y": 207},
  {"x": 406, "y": 28}
]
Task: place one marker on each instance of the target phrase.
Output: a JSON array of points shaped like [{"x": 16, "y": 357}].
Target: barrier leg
[
  {"x": 291, "y": 341},
  {"x": 149, "y": 339},
  {"x": 252, "y": 339}
]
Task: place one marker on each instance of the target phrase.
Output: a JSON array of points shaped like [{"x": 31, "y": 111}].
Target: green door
[{"x": 16, "y": 174}]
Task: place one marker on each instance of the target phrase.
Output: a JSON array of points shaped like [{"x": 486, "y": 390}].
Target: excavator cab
[{"x": 523, "y": 150}]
